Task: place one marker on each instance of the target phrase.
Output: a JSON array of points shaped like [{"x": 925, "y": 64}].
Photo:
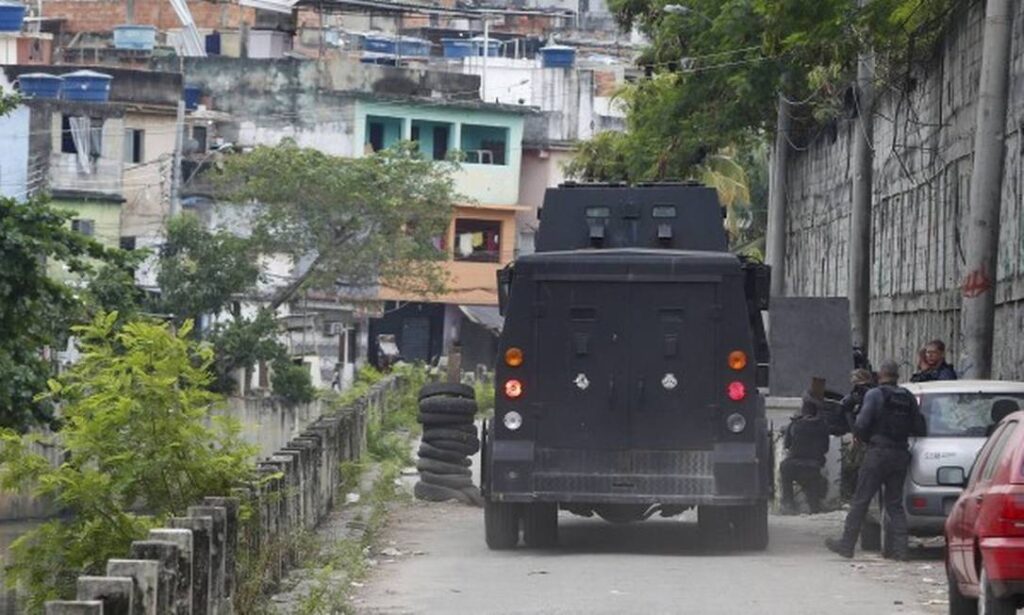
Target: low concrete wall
[
  {"x": 23, "y": 505},
  {"x": 191, "y": 566}
]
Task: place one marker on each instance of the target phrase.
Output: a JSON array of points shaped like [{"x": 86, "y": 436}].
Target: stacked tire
[{"x": 447, "y": 413}]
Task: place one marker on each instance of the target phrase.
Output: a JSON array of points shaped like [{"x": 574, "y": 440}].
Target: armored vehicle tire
[
  {"x": 959, "y": 604},
  {"x": 871, "y": 536},
  {"x": 501, "y": 525},
  {"x": 451, "y": 481},
  {"x": 446, "y": 389},
  {"x": 750, "y": 524},
  {"x": 458, "y": 406},
  {"x": 437, "y": 493},
  {"x": 462, "y": 448},
  {"x": 540, "y": 525},
  {"x": 430, "y": 434},
  {"x": 442, "y": 467},
  {"x": 429, "y": 451},
  {"x": 714, "y": 526},
  {"x": 435, "y": 418}
]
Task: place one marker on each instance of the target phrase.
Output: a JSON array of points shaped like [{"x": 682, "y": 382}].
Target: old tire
[
  {"x": 446, "y": 389},
  {"x": 750, "y": 524},
  {"x": 540, "y": 525},
  {"x": 452, "y": 481},
  {"x": 871, "y": 536},
  {"x": 442, "y": 467},
  {"x": 437, "y": 493},
  {"x": 435, "y": 418},
  {"x": 429, "y": 451},
  {"x": 458, "y": 406},
  {"x": 461, "y": 448},
  {"x": 989, "y": 604},
  {"x": 501, "y": 525},
  {"x": 959, "y": 604},
  {"x": 468, "y": 428},
  {"x": 432, "y": 434}
]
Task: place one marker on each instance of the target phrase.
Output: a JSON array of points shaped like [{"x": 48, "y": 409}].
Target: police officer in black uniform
[
  {"x": 887, "y": 418},
  {"x": 806, "y": 440}
]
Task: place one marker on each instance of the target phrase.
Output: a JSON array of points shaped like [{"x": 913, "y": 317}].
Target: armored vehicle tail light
[
  {"x": 737, "y": 360},
  {"x": 513, "y": 388},
  {"x": 736, "y": 423},
  {"x": 736, "y": 390},
  {"x": 514, "y": 357}
]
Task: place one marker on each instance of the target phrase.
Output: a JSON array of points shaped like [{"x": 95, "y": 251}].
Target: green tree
[
  {"x": 200, "y": 271},
  {"x": 139, "y": 434},
  {"x": 351, "y": 221},
  {"x": 35, "y": 309}
]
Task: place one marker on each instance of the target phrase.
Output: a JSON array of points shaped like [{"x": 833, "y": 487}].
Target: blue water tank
[
  {"x": 87, "y": 86},
  {"x": 379, "y": 43},
  {"x": 411, "y": 46},
  {"x": 12, "y": 15},
  {"x": 192, "y": 95},
  {"x": 557, "y": 56},
  {"x": 135, "y": 37},
  {"x": 457, "y": 47},
  {"x": 40, "y": 85},
  {"x": 493, "y": 46}
]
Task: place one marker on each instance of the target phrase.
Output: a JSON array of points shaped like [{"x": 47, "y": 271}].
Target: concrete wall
[
  {"x": 924, "y": 130},
  {"x": 147, "y": 184},
  {"x": 193, "y": 561},
  {"x": 14, "y": 158}
]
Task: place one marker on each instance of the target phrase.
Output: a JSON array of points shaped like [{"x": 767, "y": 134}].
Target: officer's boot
[{"x": 839, "y": 547}]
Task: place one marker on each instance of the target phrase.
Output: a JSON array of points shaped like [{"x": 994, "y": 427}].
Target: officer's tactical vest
[{"x": 898, "y": 415}]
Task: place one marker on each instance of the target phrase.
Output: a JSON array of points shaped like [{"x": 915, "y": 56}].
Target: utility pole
[
  {"x": 179, "y": 137},
  {"x": 978, "y": 290},
  {"x": 859, "y": 289},
  {"x": 776, "y": 241}
]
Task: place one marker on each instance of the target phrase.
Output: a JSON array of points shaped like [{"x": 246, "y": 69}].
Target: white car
[{"x": 959, "y": 414}]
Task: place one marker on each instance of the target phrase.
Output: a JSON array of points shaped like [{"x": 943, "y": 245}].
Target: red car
[{"x": 985, "y": 529}]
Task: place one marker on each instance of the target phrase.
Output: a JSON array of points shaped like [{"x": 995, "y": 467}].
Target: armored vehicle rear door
[
  {"x": 672, "y": 364},
  {"x": 583, "y": 369}
]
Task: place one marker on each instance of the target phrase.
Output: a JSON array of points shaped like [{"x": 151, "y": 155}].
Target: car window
[
  {"x": 997, "y": 451},
  {"x": 981, "y": 460},
  {"x": 965, "y": 415}
]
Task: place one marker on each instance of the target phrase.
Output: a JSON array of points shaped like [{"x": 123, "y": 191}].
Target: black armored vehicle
[{"x": 628, "y": 370}]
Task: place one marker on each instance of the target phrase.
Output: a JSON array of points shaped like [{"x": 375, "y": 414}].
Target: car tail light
[
  {"x": 514, "y": 357},
  {"x": 919, "y": 502},
  {"x": 1003, "y": 512},
  {"x": 513, "y": 388},
  {"x": 737, "y": 391},
  {"x": 737, "y": 360}
]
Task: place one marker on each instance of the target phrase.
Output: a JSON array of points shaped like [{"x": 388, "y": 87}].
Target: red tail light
[
  {"x": 1002, "y": 512},
  {"x": 737, "y": 391},
  {"x": 513, "y": 388},
  {"x": 919, "y": 503}
]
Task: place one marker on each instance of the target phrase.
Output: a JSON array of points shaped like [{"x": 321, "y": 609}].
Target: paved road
[{"x": 658, "y": 566}]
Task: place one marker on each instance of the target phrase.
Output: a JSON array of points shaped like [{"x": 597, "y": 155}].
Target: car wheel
[
  {"x": 540, "y": 525},
  {"x": 989, "y": 604},
  {"x": 501, "y": 525},
  {"x": 959, "y": 604}
]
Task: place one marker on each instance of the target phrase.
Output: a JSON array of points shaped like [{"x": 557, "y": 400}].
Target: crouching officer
[
  {"x": 807, "y": 441},
  {"x": 887, "y": 418}
]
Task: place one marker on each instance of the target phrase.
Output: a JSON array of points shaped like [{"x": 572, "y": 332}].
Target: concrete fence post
[
  {"x": 166, "y": 555},
  {"x": 146, "y": 575},
  {"x": 114, "y": 592},
  {"x": 183, "y": 590},
  {"x": 202, "y": 540},
  {"x": 231, "y": 506},
  {"x": 218, "y": 542}
]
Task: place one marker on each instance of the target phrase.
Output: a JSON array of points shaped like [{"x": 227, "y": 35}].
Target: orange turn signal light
[
  {"x": 737, "y": 360},
  {"x": 513, "y": 357},
  {"x": 513, "y": 389}
]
